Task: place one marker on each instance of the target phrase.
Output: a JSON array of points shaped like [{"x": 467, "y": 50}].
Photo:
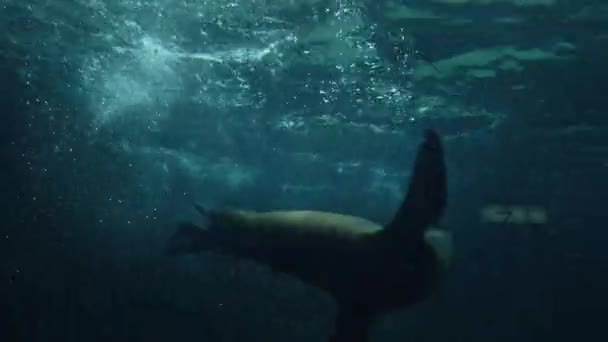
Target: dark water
[{"x": 87, "y": 204}]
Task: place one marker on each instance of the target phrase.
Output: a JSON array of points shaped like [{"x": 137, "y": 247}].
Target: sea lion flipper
[
  {"x": 207, "y": 215},
  {"x": 427, "y": 194}
]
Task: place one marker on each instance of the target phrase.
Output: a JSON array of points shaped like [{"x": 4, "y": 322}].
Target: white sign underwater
[{"x": 516, "y": 214}]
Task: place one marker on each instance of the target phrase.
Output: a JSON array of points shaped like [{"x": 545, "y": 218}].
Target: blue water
[{"x": 117, "y": 115}]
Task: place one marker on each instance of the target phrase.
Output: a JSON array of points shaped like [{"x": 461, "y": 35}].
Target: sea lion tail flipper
[
  {"x": 351, "y": 325},
  {"x": 427, "y": 194},
  {"x": 189, "y": 238}
]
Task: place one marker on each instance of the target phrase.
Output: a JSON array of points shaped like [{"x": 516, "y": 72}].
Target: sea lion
[{"x": 369, "y": 269}]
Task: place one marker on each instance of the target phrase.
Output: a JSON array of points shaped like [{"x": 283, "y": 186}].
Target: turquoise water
[{"x": 117, "y": 115}]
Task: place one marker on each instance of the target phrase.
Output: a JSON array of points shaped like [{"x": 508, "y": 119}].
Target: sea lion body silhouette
[{"x": 369, "y": 269}]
